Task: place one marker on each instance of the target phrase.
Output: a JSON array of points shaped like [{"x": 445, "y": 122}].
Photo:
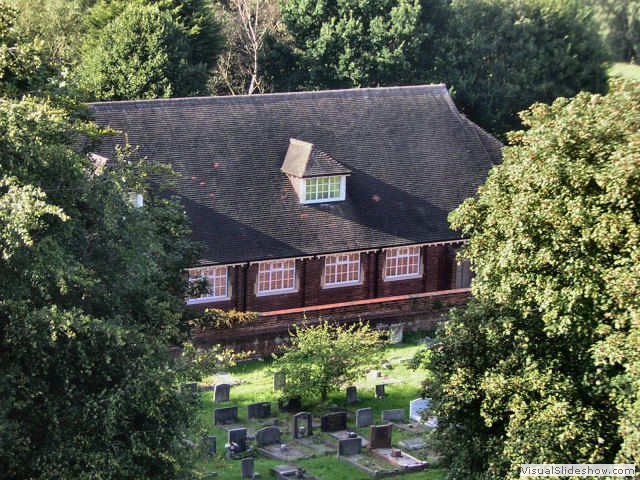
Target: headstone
[
  {"x": 396, "y": 415},
  {"x": 247, "y": 467},
  {"x": 333, "y": 422},
  {"x": 302, "y": 425},
  {"x": 224, "y": 416},
  {"x": 259, "y": 410},
  {"x": 279, "y": 381},
  {"x": 364, "y": 417},
  {"x": 289, "y": 404},
  {"x": 417, "y": 406},
  {"x": 348, "y": 447},
  {"x": 352, "y": 395},
  {"x": 209, "y": 442},
  {"x": 237, "y": 439},
  {"x": 396, "y": 333},
  {"x": 412, "y": 444},
  {"x": 221, "y": 392},
  {"x": 380, "y": 436},
  {"x": 190, "y": 387},
  {"x": 373, "y": 374},
  {"x": 268, "y": 436},
  {"x": 380, "y": 391}
]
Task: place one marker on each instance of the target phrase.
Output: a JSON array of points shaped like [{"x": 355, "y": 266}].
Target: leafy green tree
[
  {"x": 324, "y": 358},
  {"x": 500, "y": 56},
  {"x": 619, "y": 22},
  {"x": 544, "y": 368}
]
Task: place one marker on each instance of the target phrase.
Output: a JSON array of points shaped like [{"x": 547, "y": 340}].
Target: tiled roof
[
  {"x": 303, "y": 159},
  {"x": 413, "y": 158}
]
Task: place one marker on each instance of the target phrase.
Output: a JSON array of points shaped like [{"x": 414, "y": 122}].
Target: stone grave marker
[
  {"x": 332, "y": 422},
  {"x": 237, "y": 439},
  {"x": 348, "y": 447},
  {"x": 247, "y": 467},
  {"x": 364, "y": 417},
  {"x": 225, "y": 416},
  {"x": 289, "y": 404},
  {"x": 380, "y": 391},
  {"x": 352, "y": 395},
  {"x": 259, "y": 410},
  {"x": 380, "y": 436},
  {"x": 279, "y": 381},
  {"x": 417, "y": 406},
  {"x": 268, "y": 436},
  {"x": 221, "y": 392},
  {"x": 412, "y": 444},
  {"x": 396, "y": 332},
  {"x": 396, "y": 415},
  {"x": 302, "y": 425},
  {"x": 209, "y": 442}
]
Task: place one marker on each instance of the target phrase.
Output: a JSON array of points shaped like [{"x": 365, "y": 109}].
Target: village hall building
[{"x": 323, "y": 205}]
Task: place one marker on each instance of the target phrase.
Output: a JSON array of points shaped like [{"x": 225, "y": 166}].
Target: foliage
[
  {"x": 215, "y": 319},
  {"x": 324, "y": 358},
  {"x": 544, "y": 369},
  {"x": 92, "y": 295},
  {"x": 620, "y": 26},
  {"x": 501, "y": 56}
]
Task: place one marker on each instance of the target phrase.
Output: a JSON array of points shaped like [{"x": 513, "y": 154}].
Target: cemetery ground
[{"x": 252, "y": 382}]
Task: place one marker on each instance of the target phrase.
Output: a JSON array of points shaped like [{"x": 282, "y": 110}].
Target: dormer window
[{"x": 316, "y": 176}]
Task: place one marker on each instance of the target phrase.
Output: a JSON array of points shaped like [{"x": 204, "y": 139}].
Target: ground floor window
[
  {"x": 341, "y": 269},
  {"x": 277, "y": 276},
  {"x": 207, "y": 284},
  {"x": 402, "y": 262}
]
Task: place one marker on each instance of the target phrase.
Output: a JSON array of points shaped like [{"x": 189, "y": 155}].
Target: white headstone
[{"x": 416, "y": 407}]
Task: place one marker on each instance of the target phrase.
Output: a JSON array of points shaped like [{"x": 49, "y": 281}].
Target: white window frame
[
  {"x": 342, "y": 259},
  {"x": 341, "y": 194},
  {"x": 395, "y": 254},
  {"x": 211, "y": 274},
  {"x": 274, "y": 267}
]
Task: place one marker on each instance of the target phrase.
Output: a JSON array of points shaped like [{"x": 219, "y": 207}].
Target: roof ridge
[{"x": 434, "y": 88}]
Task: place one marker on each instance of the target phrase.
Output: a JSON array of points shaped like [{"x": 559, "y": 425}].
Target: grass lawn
[
  {"x": 253, "y": 382},
  {"x": 629, "y": 71}
]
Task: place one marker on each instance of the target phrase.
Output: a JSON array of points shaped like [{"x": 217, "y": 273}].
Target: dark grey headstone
[
  {"x": 364, "y": 417},
  {"x": 268, "y": 436},
  {"x": 221, "y": 392},
  {"x": 352, "y": 395},
  {"x": 348, "y": 447},
  {"x": 289, "y": 404},
  {"x": 396, "y": 415},
  {"x": 224, "y": 416},
  {"x": 279, "y": 381},
  {"x": 333, "y": 422},
  {"x": 209, "y": 442},
  {"x": 247, "y": 467},
  {"x": 302, "y": 425},
  {"x": 237, "y": 439},
  {"x": 259, "y": 410},
  {"x": 380, "y": 391},
  {"x": 380, "y": 436}
]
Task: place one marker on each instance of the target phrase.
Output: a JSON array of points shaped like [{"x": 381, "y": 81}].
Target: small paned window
[
  {"x": 277, "y": 276},
  {"x": 213, "y": 282},
  {"x": 342, "y": 269},
  {"x": 402, "y": 262},
  {"x": 324, "y": 189}
]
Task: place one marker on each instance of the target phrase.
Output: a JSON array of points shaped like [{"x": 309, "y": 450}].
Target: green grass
[
  {"x": 253, "y": 382},
  {"x": 628, "y": 71}
]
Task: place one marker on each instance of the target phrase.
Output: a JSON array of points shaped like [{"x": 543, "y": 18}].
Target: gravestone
[
  {"x": 302, "y": 425},
  {"x": 247, "y": 467},
  {"x": 396, "y": 332},
  {"x": 259, "y": 410},
  {"x": 190, "y": 387},
  {"x": 289, "y": 404},
  {"x": 352, "y": 395},
  {"x": 209, "y": 442},
  {"x": 380, "y": 391},
  {"x": 279, "y": 381},
  {"x": 412, "y": 444},
  {"x": 268, "y": 436},
  {"x": 224, "y": 416},
  {"x": 396, "y": 415},
  {"x": 380, "y": 436},
  {"x": 364, "y": 417},
  {"x": 417, "y": 406},
  {"x": 332, "y": 422},
  {"x": 221, "y": 392},
  {"x": 348, "y": 447},
  {"x": 237, "y": 439}
]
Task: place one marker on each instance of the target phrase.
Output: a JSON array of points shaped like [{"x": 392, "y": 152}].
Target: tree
[
  {"x": 620, "y": 27},
  {"x": 501, "y": 56},
  {"x": 324, "y": 358},
  {"x": 544, "y": 367},
  {"x": 91, "y": 298},
  {"x": 148, "y": 52},
  {"x": 342, "y": 44}
]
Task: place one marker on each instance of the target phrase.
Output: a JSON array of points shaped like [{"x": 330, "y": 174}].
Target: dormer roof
[{"x": 304, "y": 160}]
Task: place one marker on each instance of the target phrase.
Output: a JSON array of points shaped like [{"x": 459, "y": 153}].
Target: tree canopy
[{"x": 543, "y": 368}]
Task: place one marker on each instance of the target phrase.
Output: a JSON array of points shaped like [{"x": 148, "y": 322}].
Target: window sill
[
  {"x": 402, "y": 277},
  {"x": 276, "y": 292},
  {"x": 338, "y": 285},
  {"x": 196, "y": 301}
]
